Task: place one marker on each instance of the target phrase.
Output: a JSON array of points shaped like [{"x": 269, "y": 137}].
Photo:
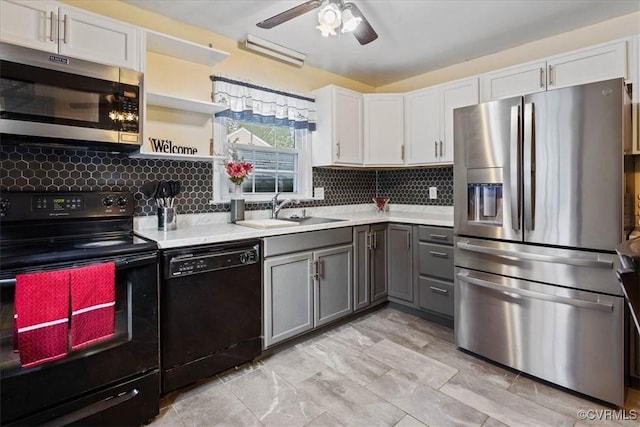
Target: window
[{"x": 279, "y": 154}]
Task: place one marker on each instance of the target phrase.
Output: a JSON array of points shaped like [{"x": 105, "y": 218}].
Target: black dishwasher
[{"x": 210, "y": 311}]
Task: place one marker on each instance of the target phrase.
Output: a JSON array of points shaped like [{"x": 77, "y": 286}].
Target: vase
[{"x": 237, "y": 204}]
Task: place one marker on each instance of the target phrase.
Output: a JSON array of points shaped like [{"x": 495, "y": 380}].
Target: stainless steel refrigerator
[{"x": 539, "y": 195}]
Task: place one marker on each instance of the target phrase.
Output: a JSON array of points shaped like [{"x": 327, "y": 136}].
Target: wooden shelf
[
  {"x": 184, "y": 104},
  {"x": 183, "y": 49}
]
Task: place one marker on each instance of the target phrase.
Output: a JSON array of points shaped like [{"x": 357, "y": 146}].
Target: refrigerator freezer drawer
[
  {"x": 571, "y": 338},
  {"x": 571, "y": 268}
]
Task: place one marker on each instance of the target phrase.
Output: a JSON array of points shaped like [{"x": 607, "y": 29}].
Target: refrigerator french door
[
  {"x": 546, "y": 168},
  {"x": 538, "y": 194}
]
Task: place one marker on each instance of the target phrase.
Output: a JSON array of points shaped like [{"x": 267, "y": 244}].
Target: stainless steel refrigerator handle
[
  {"x": 527, "y": 256},
  {"x": 508, "y": 290},
  {"x": 515, "y": 167},
  {"x": 529, "y": 159}
]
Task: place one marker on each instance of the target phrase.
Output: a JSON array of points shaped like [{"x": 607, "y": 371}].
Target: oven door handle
[
  {"x": 527, "y": 256},
  {"x": 511, "y": 291},
  {"x": 121, "y": 264}
]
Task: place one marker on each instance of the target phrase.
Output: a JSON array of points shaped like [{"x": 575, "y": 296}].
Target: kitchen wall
[
  {"x": 45, "y": 169},
  {"x": 624, "y": 26}
]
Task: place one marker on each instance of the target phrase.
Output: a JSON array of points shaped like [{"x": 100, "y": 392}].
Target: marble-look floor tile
[
  {"x": 501, "y": 404},
  {"x": 349, "y": 335},
  {"x": 168, "y": 417},
  {"x": 401, "y": 333},
  {"x": 238, "y": 371},
  {"x": 325, "y": 420},
  {"x": 409, "y": 421},
  {"x": 433, "y": 329},
  {"x": 349, "y": 402},
  {"x": 492, "y": 422},
  {"x": 449, "y": 354},
  {"x": 551, "y": 397},
  {"x": 420, "y": 368},
  {"x": 294, "y": 364},
  {"x": 395, "y": 315},
  {"x": 423, "y": 402},
  {"x": 273, "y": 400},
  {"x": 347, "y": 360},
  {"x": 214, "y": 406},
  {"x": 201, "y": 387}
]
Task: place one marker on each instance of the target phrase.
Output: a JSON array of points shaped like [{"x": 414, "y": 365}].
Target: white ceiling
[{"x": 415, "y": 36}]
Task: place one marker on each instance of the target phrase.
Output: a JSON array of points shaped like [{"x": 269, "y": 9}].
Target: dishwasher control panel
[{"x": 184, "y": 265}]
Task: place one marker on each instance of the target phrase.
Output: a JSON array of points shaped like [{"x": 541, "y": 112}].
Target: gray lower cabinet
[
  {"x": 435, "y": 270},
  {"x": 400, "y": 262},
  {"x": 306, "y": 289},
  {"x": 333, "y": 285},
  {"x": 370, "y": 265}
]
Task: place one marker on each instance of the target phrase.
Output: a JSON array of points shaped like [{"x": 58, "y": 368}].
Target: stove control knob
[
  {"x": 121, "y": 202},
  {"x": 107, "y": 201},
  {"x": 4, "y": 205}
]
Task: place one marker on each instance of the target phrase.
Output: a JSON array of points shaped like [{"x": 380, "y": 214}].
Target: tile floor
[{"x": 387, "y": 368}]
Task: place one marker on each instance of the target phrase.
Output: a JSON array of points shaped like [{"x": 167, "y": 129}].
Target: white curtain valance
[{"x": 258, "y": 104}]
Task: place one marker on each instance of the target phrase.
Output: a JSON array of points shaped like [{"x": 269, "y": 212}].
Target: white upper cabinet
[
  {"x": 602, "y": 62},
  {"x": 383, "y": 129},
  {"x": 515, "y": 81},
  {"x": 596, "y": 63},
  {"x": 429, "y": 120},
  {"x": 49, "y": 26},
  {"x": 338, "y": 136}
]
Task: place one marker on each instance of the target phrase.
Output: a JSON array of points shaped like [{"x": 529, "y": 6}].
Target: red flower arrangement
[
  {"x": 380, "y": 202},
  {"x": 238, "y": 171}
]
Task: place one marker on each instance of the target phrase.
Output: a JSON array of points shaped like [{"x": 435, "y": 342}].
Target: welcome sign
[{"x": 167, "y": 146}]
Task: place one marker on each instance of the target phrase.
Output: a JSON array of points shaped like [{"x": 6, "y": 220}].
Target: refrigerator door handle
[
  {"x": 518, "y": 292},
  {"x": 529, "y": 167},
  {"x": 515, "y": 167},
  {"x": 528, "y": 256}
]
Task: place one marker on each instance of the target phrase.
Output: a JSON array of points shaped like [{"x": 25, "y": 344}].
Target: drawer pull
[
  {"x": 439, "y": 254},
  {"x": 438, "y": 236},
  {"x": 439, "y": 290}
]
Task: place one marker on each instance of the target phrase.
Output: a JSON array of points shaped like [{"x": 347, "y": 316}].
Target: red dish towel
[
  {"x": 42, "y": 316},
  {"x": 92, "y": 304}
]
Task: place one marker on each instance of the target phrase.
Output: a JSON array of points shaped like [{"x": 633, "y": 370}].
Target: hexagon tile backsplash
[{"x": 50, "y": 169}]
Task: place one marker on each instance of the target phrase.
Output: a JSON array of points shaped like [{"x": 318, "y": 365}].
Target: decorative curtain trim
[{"x": 258, "y": 104}]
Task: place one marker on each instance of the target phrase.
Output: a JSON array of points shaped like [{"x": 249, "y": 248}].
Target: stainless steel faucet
[{"x": 275, "y": 207}]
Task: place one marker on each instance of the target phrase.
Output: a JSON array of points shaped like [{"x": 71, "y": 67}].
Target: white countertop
[{"x": 215, "y": 228}]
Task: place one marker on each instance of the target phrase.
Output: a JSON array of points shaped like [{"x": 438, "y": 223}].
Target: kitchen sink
[{"x": 311, "y": 220}]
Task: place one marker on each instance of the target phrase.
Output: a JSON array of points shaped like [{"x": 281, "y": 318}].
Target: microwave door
[
  {"x": 487, "y": 171},
  {"x": 573, "y": 166}
]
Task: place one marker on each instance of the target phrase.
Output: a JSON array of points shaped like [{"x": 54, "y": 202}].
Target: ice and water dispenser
[{"x": 484, "y": 203}]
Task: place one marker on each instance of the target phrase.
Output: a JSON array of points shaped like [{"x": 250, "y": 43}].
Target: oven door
[{"x": 31, "y": 393}]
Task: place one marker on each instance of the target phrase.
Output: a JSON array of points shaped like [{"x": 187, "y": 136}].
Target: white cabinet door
[
  {"x": 514, "y": 81},
  {"x": 384, "y": 129},
  {"x": 347, "y": 120},
  {"x": 422, "y": 126},
  {"x": 95, "y": 38},
  {"x": 30, "y": 23},
  {"x": 602, "y": 62},
  {"x": 459, "y": 94},
  {"x": 338, "y": 136}
]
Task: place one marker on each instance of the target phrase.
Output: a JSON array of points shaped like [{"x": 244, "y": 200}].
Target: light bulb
[{"x": 350, "y": 22}]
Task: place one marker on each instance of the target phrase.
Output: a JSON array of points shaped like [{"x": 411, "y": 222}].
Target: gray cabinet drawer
[
  {"x": 436, "y": 295},
  {"x": 436, "y": 260},
  {"x": 289, "y": 243},
  {"x": 441, "y": 235}
]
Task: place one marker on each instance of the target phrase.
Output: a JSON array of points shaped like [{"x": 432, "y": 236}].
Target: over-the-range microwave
[{"x": 46, "y": 98}]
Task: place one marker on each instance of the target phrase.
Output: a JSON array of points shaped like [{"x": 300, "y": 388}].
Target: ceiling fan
[{"x": 333, "y": 14}]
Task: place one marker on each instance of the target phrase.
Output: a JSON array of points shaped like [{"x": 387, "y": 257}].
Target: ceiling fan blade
[
  {"x": 285, "y": 16},
  {"x": 364, "y": 33}
]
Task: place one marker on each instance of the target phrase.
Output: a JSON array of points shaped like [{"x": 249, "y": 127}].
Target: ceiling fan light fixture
[
  {"x": 349, "y": 21},
  {"x": 330, "y": 15},
  {"x": 326, "y": 30}
]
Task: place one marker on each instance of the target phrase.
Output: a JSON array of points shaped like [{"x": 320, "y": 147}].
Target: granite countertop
[{"x": 215, "y": 228}]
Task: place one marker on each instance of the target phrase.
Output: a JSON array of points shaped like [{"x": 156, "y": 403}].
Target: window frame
[{"x": 221, "y": 183}]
